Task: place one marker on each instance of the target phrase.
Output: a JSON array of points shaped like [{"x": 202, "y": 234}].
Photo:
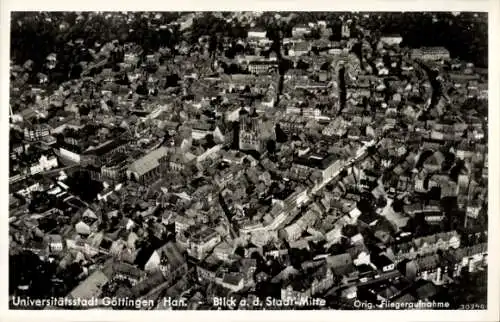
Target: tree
[
  {"x": 271, "y": 146},
  {"x": 397, "y": 205},
  {"x": 172, "y": 80},
  {"x": 26, "y": 268},
  {"x": 232, "y": 69},
  {"x": 325, "y": 66},
  {"x": 142, "y": 89},
  {"x": 314, "y": 34},
  {"x": 284, "y": 66},
  {"x": 76, "y": 71},
  {"x": 123, "y": 79},
  {"x": 210, "y": 141},
  {"x": 302, "y": 65},
  {"x": 240, "y": 251},
  {"x": 381, "y": 202},
  {"x": 456, "y": 169},
  {"x": 81, "y": 184},
  {"x": 230, "y": 53},
  {"x": 280, "y": 135}
]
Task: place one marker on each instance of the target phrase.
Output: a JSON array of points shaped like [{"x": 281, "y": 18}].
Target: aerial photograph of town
[{"x": 222, "y": 160}]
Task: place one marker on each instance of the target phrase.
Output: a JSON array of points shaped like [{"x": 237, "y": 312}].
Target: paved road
[
  {"x": 57, "y": 170},
  {"x": 381, "y": 277},
  {"x": 16, "y": 185},
  {"x": 361, "y": 154}
]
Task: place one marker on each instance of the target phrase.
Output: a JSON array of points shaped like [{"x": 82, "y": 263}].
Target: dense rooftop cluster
[{"x": 277, "y": 156}]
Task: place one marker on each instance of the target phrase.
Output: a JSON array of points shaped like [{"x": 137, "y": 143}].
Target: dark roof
[
  {"x": 313, "y": 160},
  {"x": 106, "y": 147},
  {"x": 388, "y": 292},
  {"x": 391, "y": 35},
  {"x": 344, "y": 270},
  {"x": 106, "y": 244},
  {"x": 368, "y": 217},
  {"x": 380, "y": 260},
  {"x": 204, "y": 126},
  {"x": 263, "y": 62},
  {"x": 364, "y": 268},
  {"x": 257, "y": 29},
  {"x": 339, "y": 260},
  {"x": 204, "y": 235}
]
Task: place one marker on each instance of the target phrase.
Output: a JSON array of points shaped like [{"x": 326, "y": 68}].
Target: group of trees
[
  {"x": 81, "y": 184},
  {"x": 43, "y": 278},
  {"x": 26, "y": 268},
  {"x": 209, "y": 24},
  {"x": 35, "y": 35},
  {"x": 418, "y": 29},
  {"x": 468, "y": 291},
  {"x": 465, "y": 36}
]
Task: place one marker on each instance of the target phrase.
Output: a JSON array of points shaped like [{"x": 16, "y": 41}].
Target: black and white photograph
[{"x": 248, "y": 160}]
